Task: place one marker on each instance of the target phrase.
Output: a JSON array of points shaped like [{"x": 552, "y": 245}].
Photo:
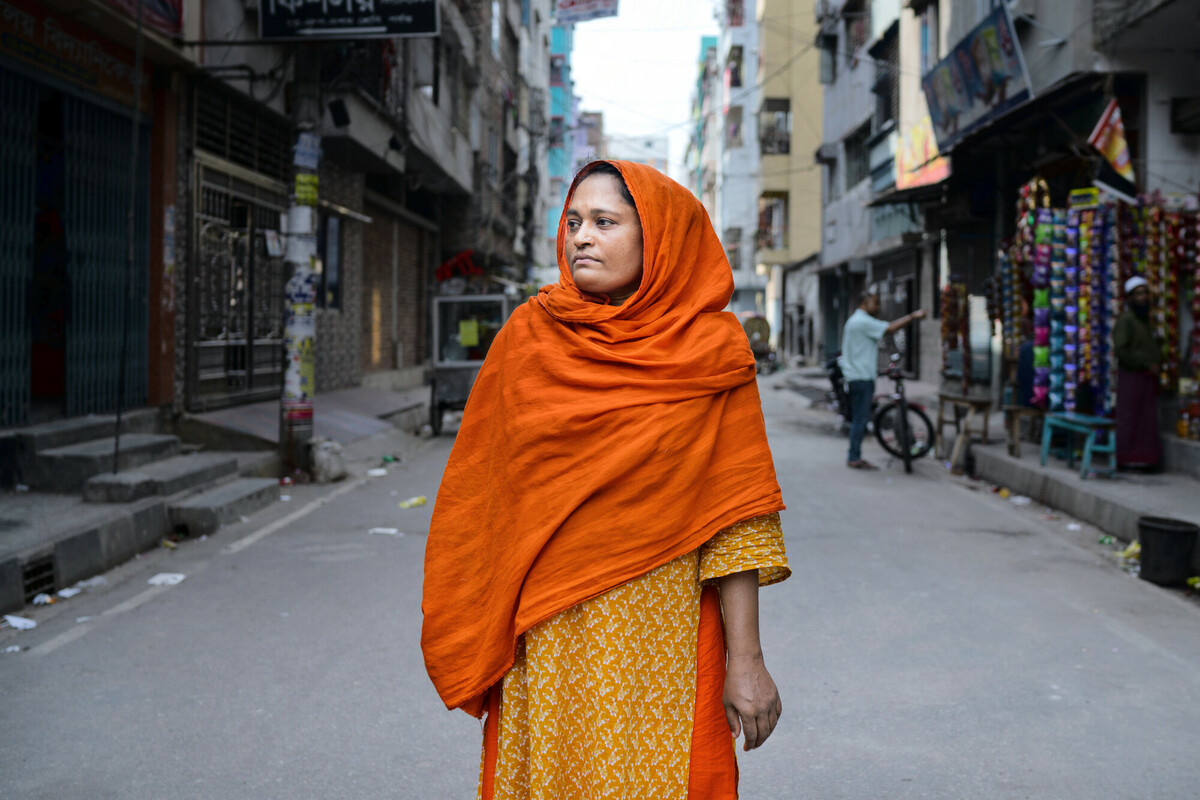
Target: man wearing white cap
[{"x": 1138, "y": 357}]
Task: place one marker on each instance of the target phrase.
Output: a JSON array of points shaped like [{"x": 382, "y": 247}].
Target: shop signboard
[
  {"x": 35, "y": 35},
  {"x": 311, "y": 20},
  {"x": 567, "y": 12},
  {"x": 982, "y": 77}
]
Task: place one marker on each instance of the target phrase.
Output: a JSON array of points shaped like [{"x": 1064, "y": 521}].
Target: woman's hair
[{"x": 605, "y": 168}]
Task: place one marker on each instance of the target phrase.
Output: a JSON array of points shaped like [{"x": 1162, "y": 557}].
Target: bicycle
[{"x": 902, "y": 428}]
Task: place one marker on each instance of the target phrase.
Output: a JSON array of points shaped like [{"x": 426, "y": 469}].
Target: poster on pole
[
  {"x": 567, "y": 12},
  {"x": 982, "y": 77},
  {"x": 312, "y": 20}
]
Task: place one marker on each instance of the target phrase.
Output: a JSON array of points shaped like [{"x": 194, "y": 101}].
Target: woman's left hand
[{"x": 752, "y": 704}]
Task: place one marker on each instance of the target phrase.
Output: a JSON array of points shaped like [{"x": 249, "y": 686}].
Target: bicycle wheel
[{"x": 918, "y": 431}]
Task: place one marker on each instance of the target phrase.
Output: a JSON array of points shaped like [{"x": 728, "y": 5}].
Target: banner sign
[
  {"x": 918, "y": 162},
  {"x": 31, "y": 33},
  {"x": 982, "y": 77},
  {"x": 1115, "y": 173},
  {"x": 567, "y": 12},
  {"x": 301, "y": 20}
]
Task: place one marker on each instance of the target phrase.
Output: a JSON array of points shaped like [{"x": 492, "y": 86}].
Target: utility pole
[{"x": 300, "y": 293}]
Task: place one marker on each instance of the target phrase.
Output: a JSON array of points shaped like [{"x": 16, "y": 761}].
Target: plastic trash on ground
[
  {"x": 413, "y": 502},
  {"x": 285, "y": 498},
  {"x": 19, "y": 623},
  {"x": 1133, "y": 552},
  {"x": 1020, "y": 500},
  {"x": 67, "y": 594},
  {"x": 377, "y": 472},
  {"x": 43, "y": 599},
  {"x": 385, "y": 531},
  {"x": 167, "y": 579},
  {"x": 15, "y": 648}
]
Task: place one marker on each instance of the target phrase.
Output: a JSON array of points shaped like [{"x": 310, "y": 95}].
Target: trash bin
[{"x": 1167, "y": 547}]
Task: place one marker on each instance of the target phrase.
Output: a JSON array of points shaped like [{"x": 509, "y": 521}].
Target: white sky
[{"x": 639, "y": 68}]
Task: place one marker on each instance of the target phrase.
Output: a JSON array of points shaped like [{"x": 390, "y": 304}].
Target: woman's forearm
[{"x": 739, "y": 606}]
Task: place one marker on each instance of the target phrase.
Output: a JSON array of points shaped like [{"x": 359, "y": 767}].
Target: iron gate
[
  {"x": 235, "y": 337},
  {"x": 18, "y": 119},
  {"x": 91, "y": 212},
  {"x": 96, "y": 225}
]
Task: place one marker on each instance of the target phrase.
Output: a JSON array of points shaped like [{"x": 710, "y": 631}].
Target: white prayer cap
[{"x": 1134, "y": 282}]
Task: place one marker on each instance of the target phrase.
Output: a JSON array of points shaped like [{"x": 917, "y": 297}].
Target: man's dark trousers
[{"x": 861, "y": 393}]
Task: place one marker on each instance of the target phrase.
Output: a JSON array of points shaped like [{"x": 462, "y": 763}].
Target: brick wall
[
  {"x": 411, "y": 306},
  {"x": 338, "y": 330}
]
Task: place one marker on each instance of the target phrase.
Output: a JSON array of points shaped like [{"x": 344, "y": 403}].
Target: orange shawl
[{"x": 599, "y": 442}]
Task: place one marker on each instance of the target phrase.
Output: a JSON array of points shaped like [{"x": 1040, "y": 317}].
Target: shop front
[{"x": 66, "y": 110}]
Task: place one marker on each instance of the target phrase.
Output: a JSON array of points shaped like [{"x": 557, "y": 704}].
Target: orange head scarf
[{"x": 599, "y": 442}]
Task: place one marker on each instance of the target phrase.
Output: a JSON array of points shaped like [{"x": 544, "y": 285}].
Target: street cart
[{"x": 464, "y": 326}]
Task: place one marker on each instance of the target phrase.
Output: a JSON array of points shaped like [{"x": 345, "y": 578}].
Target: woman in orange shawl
[{"x": 607, "y": 515}]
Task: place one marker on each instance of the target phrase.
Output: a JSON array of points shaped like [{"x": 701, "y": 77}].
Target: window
[
  {"x": 556, "y": 70},
  {"x": 329, "y": 260},
  {"x": 425, "y": 66},
  {"x": 858, "y": 156},
  {"x": 775, "y": 126},
  {"x": 735, "y": 13},
  {"x": 887, "y": 78},
  {"x": 1185, "y": 115},
  {"x": 858, "y": 29},
  {"x": 733, "y": 69},
  {"x": 929, "y": 38},
  {"x": 733, "y": 247},
  {"x": 828, "y": 45},
  {"x": 733, "y": 128},
  {"x": 772, "y": 222},
  {"x": 496, "y": 28}
]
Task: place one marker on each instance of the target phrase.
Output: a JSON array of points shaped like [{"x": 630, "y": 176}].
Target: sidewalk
[{"x": 345, "y": 415}]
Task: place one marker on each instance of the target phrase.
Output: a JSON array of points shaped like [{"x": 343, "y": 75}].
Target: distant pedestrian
[
  {"x": 860, "y": 365},
  {"x": 1139, "y": 355},
  {"x": 607, "y": 516}
]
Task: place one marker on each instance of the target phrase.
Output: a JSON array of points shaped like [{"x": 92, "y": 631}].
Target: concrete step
[
  {"x": 67, "y": 469},
  {"x": 170, "y": 476},
  {"x": 203, "y": 513},
  {"x": 65, "y": 432}
]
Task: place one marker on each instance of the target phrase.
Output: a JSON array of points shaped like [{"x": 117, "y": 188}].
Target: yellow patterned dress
[{"x": 600, "y": 700}]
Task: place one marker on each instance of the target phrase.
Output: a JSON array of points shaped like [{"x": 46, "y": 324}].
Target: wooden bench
[
  {"x": 974, "y": 407},
  {"x": 1012, "y": 424},
  {"x": 1085, "y": 425}
]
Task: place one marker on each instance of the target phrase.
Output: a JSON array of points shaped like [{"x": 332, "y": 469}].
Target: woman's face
[{"x": 603, "y": 242}]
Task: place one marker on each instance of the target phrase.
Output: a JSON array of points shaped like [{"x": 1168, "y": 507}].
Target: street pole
[
  {"x": 300, "y": 292},
  {"x": 130, "y": 231}
]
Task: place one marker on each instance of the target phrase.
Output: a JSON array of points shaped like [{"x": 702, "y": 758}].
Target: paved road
[{"x": 934, "y": 642}]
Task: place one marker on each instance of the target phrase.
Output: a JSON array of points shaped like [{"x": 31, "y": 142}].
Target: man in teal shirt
[{"x": 860, "y": 365}]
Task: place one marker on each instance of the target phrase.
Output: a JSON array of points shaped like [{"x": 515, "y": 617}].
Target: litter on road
[
  {"x": 377, "y": 472},
  {"x": 285, "y": 498},
  {"x": 167, "y": 579},
  {"x": 67, "y": 594},
  {"x": 16, "y": 648},
  {"x": 92, "y": 583},
  {"x": 79, "y": 620},
  {"x": 1020, "y": 500},
  {"x": 43, "y": 599},
  {"x": 19, "y": 623},
  {"x": 386, "y": 531},
  {"x": 413, "y": 502}
]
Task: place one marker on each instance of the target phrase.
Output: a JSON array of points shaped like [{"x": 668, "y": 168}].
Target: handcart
[{"x": 463, "y": 329}]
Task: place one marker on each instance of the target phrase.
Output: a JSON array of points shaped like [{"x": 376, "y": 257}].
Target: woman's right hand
[{"x": 752, "y": 704}]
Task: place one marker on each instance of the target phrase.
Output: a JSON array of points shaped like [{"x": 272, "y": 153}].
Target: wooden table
[
  {"x": 1012, "y": 424},
  {"x": 975, "y": 406}
]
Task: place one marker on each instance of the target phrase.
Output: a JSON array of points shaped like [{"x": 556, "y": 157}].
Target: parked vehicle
[{"x": 902, "y": 428}]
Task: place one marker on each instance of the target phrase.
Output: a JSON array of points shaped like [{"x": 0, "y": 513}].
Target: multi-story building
[
  {"x": 701, "y": 156},
  {"x": 738, "y": 155},
  {"x": 560, "y": 144},
  {"x": 789, "y": 117}
]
